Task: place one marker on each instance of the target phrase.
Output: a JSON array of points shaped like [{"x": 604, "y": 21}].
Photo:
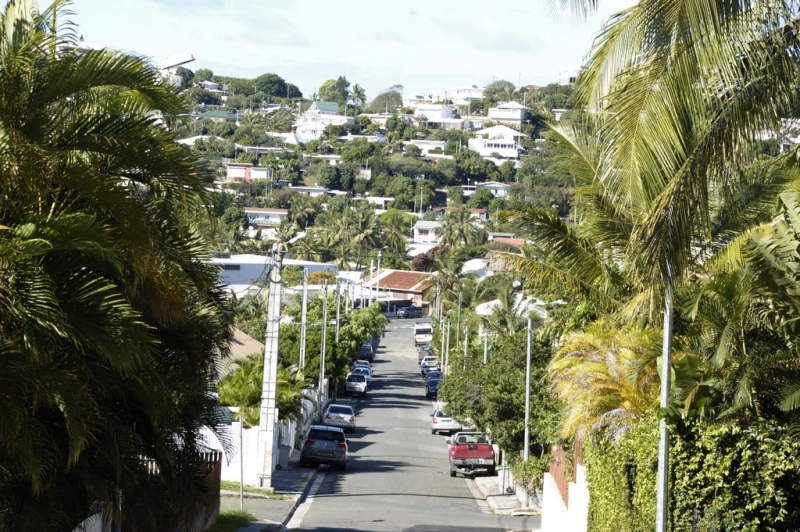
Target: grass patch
[
  {"x": 232, "y": 520},
  {"x": 230, "y": 485}
]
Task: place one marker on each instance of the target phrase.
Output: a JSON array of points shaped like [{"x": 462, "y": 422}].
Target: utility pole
[
  {"x": 322, "y": 347},
  {"x": 485, "y": 344},
  {"x": 268, "y": 413},
  {"x": 447, "y": 350},
  {"x": 466, "y": 345},
  {"x": 303, "y": 321},
  {"x": 526, "y": 444},
  {"x": 378, "y": 280},
  {"x": 458, "y": 321},
  {"x": 338, "y": 305},
  {"x": 662, "y": 477}
]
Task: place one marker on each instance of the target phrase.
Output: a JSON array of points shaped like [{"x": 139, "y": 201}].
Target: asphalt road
[{"x": 397, "y": 477}]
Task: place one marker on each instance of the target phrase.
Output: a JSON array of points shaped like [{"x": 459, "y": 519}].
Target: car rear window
[
  {"x": 325, "y": 435},
  {"x": 355, "y": 377},
  {"x": 340, "y": 410}
]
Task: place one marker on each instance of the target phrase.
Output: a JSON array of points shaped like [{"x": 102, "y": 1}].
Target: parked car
[
  {"x": 470, "y": 451},
  {"x": 361, "y": 370},
  {"x": 367, "y": 352},
  {"x": 324, "y": 445},
  {"x": 432, "y": 388},
  {"x": 363, "y": 364},
  {"x": 423, "y": 333},
  {"x": 339, "y": 415},
  {"x": 441, "y": 422},
  {"x": 424, "y": 351},
  {"x": 428, "y": 363},
  {"x": 355, "y": 383},
  {"x": 433, "y": 374},
  {"x": 409, "y": 312}
]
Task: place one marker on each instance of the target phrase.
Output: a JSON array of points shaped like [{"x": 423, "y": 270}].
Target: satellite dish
[{"x": 176, "y": 61}]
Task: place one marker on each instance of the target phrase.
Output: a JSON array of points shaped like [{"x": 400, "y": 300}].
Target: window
[{"x": 234, "y": 267}]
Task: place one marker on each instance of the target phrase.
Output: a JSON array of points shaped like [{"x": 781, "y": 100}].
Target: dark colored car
[
  {"x": 431, "y": 387},
  {"x": 434, "y": 374},
  {"x": 409, "y": 312},
  {"x": 324, "y": 445}
]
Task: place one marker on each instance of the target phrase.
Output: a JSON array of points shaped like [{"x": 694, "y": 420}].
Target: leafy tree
[
  {"x": 327, "y": 176},
  {"x": 455, "y": 195},
  {"x": 386, "y": 102},
  {"x": 271, "y": 85},
  {"x": 480, "y": 199},
  {"x": 359, "y": 95},
  {"x": 203, "y": 74},
  {"x": 335, "y": 90},
  {"x": 186, "y": 75},
  {"x": 292, "y": 91}
]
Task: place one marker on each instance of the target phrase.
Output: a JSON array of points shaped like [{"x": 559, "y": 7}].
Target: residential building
[
  {"x": 398, "y": 285},
  {"x": 434, "y": 112},
  {"x": 480, "y": 215},
  {"x": 497, "y": 146},
  {"x": 332, "y": 160},
  {"x": 499, "y": 190},
  {"x": 219, "y": 115},
  {"x": 310, "y": 191},
  {"x": 568, "y": 76},
  {"x": 249, "y": 268},
  {"x": 235, "y": 171},
  {"x": 557, "y": 113},
  {"x": 378, "y": 137},
  {"x": 427, "y": 145},
  {"x": 321, "y": 114},
  {"x": 381, "y": 118},
  {"x": 499, "y": 130},
  {"x": 258, "y": 217},
  {"x": 426, "y": 232},
  {"x": 461, "y": 95},
  {"x": 215, "y": 89},
  {"x": 509, "y": 113},
  {"x": 382, "y": 202},
  {"x": 417, "y": 100}
]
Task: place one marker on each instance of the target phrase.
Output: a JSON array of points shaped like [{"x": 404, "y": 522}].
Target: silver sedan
[{"x": 441, "y": 422}]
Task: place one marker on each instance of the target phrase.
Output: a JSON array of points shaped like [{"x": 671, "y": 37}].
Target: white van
[{"x": 423, "y": 333}]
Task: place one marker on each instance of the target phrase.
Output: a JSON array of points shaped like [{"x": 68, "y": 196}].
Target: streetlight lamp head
[{"x": 516, "y": 284}]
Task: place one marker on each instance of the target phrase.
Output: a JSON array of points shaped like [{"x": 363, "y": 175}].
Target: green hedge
[{"x": 724, "y": 477}]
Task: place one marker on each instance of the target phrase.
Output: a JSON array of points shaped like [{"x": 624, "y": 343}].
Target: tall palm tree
[
  {"x": 458, "y": 229},
  {"x": 359, "y": 95},
  {"x": 110, "y": 322}
]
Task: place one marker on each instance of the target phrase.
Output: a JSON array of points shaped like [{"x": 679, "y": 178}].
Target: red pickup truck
[{"x": 470, "y": 451}]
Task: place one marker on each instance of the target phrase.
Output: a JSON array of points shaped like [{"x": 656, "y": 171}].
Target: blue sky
[{"x": 427, "y": 46}]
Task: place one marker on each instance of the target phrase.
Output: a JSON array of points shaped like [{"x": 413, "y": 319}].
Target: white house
[
  {"x": 378, "y": 137},
  {"x": 320, "y": 115},
  {"x": 494, "y": 131},
  {"x": 381, "y": 118},
  {"x": 497, "y": 146},
  {"x": 248, "y": 268},
  {"x": 427, "y": 145},
  {"x": 499, "y": 190},
  {"x": 510, "y": 113},
  {"x": 416, "y": 100},
  {"x": 246, "y": 171},
  {"x": 434, "y": 112},
  {"x": 259, "y": 217},
  {"x": 568, "y": 76},
  {"x": 461, "y": 95},
  {"x": 310, "y": 191},
  {"x": 427, "y": 232}
]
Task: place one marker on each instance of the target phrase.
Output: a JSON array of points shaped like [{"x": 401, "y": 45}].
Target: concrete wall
[{"x": 556, "y": 516}]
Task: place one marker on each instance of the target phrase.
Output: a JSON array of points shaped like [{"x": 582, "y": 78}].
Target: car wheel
[
  {"x": 492, "y": 470},
  {"x": 433, "y": 431},
  {"x": 303, "y": 463},
  {"x": 452, "y": 472},
  {"x": 343, "y": 467}
]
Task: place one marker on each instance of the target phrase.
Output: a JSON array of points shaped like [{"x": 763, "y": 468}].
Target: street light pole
[
  {"x": 526, "y": 444},
  {"x": 268, "y": 412},
  {"x": 338, "y": 306},
  {"x": 662, "y": 482},
  {"x": 303, "y": 321},
  {"x": 322, "y": 347}
]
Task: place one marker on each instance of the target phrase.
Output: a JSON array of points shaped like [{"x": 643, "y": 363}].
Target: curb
[
  {"x": 246, "y": 495},
  {"x": 299, "y": 500}
]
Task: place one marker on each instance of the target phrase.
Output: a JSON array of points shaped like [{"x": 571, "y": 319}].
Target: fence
[{"x": 562, "y": 469}]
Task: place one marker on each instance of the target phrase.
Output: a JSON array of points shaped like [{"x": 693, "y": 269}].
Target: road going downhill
[{"x": 397, "y": 477}]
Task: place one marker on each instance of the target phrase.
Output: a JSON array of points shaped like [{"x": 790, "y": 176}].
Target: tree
[
  {"x": 110, "y": 359},
  {"x": 292, "y": 91},
  {"x": 272, "y": 85},
  {"x": 480, "y": 199},
  {"x": 203, "y": 74},
  {"x": 359, "y": 95},
  {"x": 328, "y": 176},
  {"x": 335, "y": 90},
  {"x": 186, "y": 75},
  {"x": 389, "y": 101}
]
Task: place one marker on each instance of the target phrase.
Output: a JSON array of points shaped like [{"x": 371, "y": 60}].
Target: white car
[
  {"x": 361, "y": 370},
  {"x": 339, "y": 415},
  {"x": 355, "y": 383},
  {"x": 441, "y": 422}
]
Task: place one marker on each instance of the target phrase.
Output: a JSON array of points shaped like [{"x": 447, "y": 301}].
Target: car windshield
[
  {"x": 423, "y": 330},
  {"x": 336, "y": 409},
  {"x": 356, "y": 378}
]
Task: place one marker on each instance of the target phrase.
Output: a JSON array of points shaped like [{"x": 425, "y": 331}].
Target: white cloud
[{"x": 427, "y": 46}]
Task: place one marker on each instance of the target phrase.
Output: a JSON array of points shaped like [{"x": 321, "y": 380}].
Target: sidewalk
[
  {"x": 272, "y": 513},
  {"x": 501, "y": 502}
]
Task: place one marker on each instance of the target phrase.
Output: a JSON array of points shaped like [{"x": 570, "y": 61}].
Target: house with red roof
[{"x": 400, "y": 285}]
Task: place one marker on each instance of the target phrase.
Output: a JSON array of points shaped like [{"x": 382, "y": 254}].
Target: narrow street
[{"x": 397, "y": 476}]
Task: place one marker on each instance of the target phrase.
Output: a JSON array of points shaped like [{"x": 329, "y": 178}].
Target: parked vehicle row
[{"x": 324, "y": 445}]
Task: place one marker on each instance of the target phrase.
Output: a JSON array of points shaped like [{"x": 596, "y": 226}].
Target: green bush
[{"x": 728, "y": 476}]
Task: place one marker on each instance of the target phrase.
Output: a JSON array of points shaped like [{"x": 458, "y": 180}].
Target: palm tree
[
  {"x": 110, "y": 321},
  {"x": 359, "y": 95},
  {"x": 457, "y": 228}
]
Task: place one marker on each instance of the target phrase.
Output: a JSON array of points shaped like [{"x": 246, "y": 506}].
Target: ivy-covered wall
[{"x": 724, "y": 477}]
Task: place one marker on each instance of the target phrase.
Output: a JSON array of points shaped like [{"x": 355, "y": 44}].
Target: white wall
[{"x": 556, "y": 517}]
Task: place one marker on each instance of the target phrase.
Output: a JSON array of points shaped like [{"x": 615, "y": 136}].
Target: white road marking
[{"x": 297, "y": 519}]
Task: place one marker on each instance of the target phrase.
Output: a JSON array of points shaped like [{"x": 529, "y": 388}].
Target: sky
[{"x": 427, "y": 46}]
